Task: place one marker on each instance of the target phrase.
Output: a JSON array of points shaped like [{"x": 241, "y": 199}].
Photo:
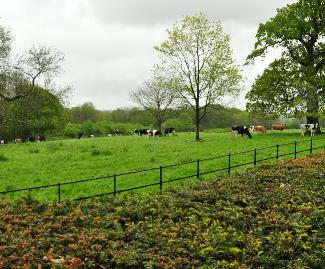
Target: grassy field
[{"x": 33, "y": 164}]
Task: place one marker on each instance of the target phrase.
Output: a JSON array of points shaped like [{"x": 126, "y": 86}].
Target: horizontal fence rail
[{"x": 257, "y": 156}]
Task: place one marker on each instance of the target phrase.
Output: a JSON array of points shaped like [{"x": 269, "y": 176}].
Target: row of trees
[
  {"x": 196, "y": 70},
  {"x": 92, "y": 121}
]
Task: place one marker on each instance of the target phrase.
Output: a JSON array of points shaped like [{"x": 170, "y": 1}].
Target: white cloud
[{"x": 109, "y": 43}]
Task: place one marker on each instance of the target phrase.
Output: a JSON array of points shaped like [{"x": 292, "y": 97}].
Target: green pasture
[{"x": 35, "y": 164}]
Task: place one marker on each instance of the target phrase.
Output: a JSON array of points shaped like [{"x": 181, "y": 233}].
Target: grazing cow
[
  {"x": 154, "y": 133},
  {"x": 170, "y": 130},
  {"x": 308, "y": 128},
  {"x": 278, "y": 127},
  {"x": 17, "y": 140},
  {"x": 41, "y": 138},
  {"x": 2, "y": 142},
  {"x": 243, "y": 130},
  {"x": 141, "y": 132},
  {"x": 80, "y": 134},
  {"x": 257, "y": 128},
  {"x": 117, "y": 132}
]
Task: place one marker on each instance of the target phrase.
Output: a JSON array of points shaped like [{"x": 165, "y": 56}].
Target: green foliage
[
  {"x": 3, "y": 158},
  {"x": 183, "y": 123},
  {"x": 87, "y": 127},
  {"x": 268, "y": 217},
  {"x": 33, "y": 115},
  {"x": 72, "y": 130},
  {"x": 198, "y": 59},
  {"x": 293, "y": 85}
]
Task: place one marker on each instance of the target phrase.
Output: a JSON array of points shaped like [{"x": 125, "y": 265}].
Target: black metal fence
[{"x": 229, "y": 162}]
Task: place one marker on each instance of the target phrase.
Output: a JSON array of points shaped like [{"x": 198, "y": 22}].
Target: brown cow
[
  {"x": 278, "y": 127},
  {"x": 258, "y": 128},
  {"x": 18, "y": 141}
]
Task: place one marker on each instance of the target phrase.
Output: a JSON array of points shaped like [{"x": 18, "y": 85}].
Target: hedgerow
[{"x": 272, "y": 216}]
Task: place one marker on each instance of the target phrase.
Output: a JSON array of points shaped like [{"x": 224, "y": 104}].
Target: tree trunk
[
  {"x": 197, "y": 120},
  {"x": 313, "y": 108},
  {"x": 159, "y": 125}
]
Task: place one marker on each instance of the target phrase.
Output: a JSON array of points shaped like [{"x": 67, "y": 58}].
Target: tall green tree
[
  {"x": 36, "y": 114},
  {"x": 292, "y": 85},
  {"x": 85, "y": 112},
  {"x": 198, "y": 57}
]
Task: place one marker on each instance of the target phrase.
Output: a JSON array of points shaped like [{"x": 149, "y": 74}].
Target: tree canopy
[
  {"x": 36, "y": 114},
  {"x": 198, "y": 58},
  {"x": 20, "y": 75},
  {"x": 293, "y": 85}
]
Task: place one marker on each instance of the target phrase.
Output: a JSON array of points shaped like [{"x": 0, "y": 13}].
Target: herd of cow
[
  {"x": 39, "y": 138},
  {"x": 154, "y": 133},
  {"x": 243, "y": 130},
  {"x": 237, "y": 129}
]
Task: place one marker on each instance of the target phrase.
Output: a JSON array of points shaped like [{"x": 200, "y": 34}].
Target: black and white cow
[
  {"x": 154, "y": 133},
  {"x": 80, "y": 134},
  {"x": 141, "y": 132},
  {"x": 41, "y": 138},
  {"x": 170, "y": 130},
  {"x": 243, "y": 130},
  {"x": 308, "y": 128}
]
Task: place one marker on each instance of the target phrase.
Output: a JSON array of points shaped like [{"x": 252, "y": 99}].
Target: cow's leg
[{"x": 234, "y": 134}]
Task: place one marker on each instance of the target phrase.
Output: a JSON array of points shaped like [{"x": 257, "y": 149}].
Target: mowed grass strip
[{"x": 33, "y": 164}]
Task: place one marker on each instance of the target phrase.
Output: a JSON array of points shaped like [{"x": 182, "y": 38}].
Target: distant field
[{"x": 33, "y": 164}]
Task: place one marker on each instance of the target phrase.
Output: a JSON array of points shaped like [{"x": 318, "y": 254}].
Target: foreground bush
[{"x": 270, "y": 217}]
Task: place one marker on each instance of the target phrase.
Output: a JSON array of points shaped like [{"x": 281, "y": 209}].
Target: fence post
[
  {"x": 255, "y": 157},
  {"x": 114, "y": 185},
  {"x": 59, "y": 192},
  {"x": 277, "y": 152},
  {"x": 229, "y": 156},
  {"x": 295, "y": 150},
  {"x": 160, "y": 177},
  {"x": 198, "y": 169},
  {"x": 311, "y": 145}
]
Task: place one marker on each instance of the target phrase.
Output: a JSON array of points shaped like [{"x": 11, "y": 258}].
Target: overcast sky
[{"x": 108, "y": 44}]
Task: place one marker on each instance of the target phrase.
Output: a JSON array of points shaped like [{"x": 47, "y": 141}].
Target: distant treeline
[
  {"x": 87, "y": 119},
  {"x": 42, "y": 114}
]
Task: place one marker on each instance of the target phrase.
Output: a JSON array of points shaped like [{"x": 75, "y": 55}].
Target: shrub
[
  {"x": 271, "y": 216},
  {"x": 3, "y": 158}
]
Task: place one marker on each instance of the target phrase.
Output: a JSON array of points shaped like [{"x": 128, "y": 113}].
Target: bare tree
[
  {"x": 19, "y": 77},
  {"x": 156, "y": 97}
]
